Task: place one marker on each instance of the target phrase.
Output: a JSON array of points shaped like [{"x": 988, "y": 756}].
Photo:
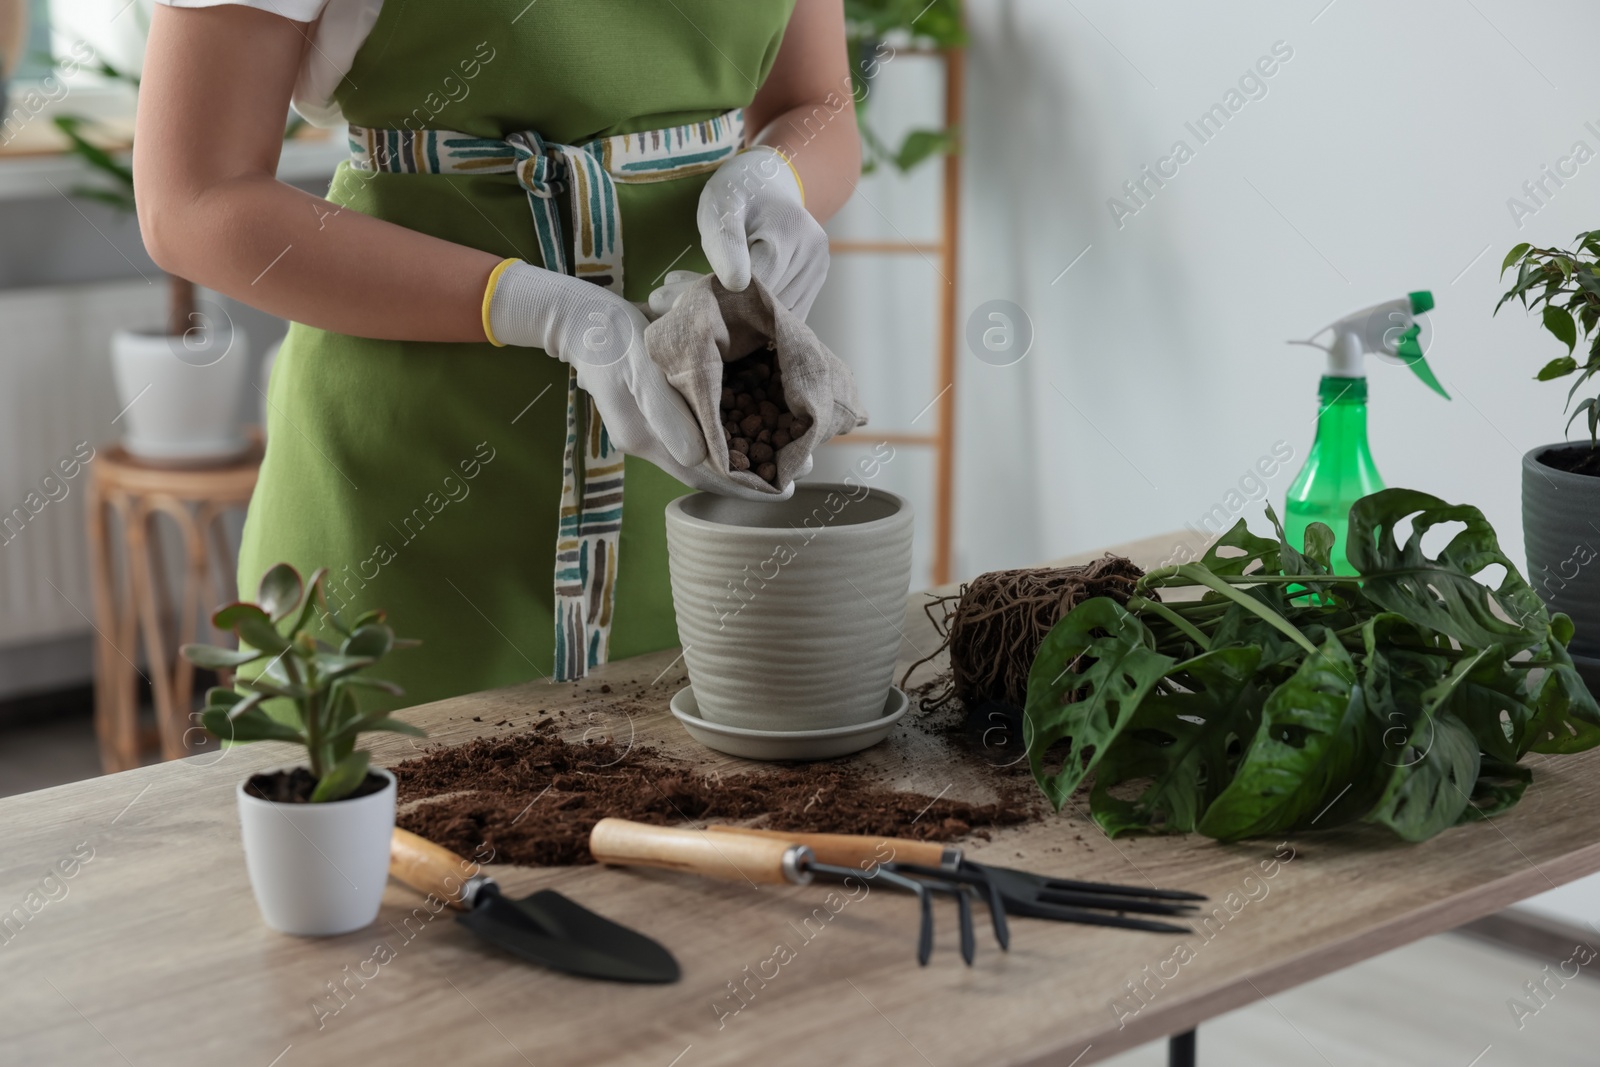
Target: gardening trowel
[{"x": 545, "y": 928}]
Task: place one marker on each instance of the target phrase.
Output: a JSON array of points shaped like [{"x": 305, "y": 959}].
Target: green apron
[{"x": 428, "y": 477}]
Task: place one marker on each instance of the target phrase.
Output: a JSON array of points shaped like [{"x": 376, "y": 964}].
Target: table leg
[
  {"x": 109, "y": 679},
  {"x": 220, "y": 569},
  {"x": 191, "y": 601},
  {"x": 125, "y": 643},
  {"x": 146, "y": 591},
  {"x": 1181, "y": 1051}
]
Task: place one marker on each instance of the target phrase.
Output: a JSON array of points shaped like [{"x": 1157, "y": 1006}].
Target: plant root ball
[
  {"x": 756, "y": 422},
  {"x": 994, "y": 626}
]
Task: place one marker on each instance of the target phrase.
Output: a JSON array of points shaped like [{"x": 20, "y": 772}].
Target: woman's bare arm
[
  {"x": 806, "y": 109},
  {"x": 212, "y": 105}
]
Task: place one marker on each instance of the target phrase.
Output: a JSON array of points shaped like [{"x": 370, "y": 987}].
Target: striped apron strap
[{"x": 592, "y": 467}]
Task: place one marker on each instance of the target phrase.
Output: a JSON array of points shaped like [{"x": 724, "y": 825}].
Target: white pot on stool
[{"x": 181, "y": 397}]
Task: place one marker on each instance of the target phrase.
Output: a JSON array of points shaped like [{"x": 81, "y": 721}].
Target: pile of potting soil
[{"x": 533, "y": 797}]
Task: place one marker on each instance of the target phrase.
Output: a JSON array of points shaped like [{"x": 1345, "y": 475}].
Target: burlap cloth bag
[{"x": 709, "y": 326}]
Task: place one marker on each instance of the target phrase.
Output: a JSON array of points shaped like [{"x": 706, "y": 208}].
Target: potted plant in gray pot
[
  {"x": 316, "y": 836},
  {"x": 1561, "y": 481}
]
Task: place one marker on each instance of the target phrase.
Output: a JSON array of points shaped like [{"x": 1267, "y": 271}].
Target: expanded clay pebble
[{"x": 756, "y": 422}]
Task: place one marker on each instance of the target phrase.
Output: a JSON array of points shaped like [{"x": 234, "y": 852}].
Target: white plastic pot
[
  {"x": 181, "y": 397},
  {"x": 790, "y": 613},
  {"x": 318, "y": 869}
]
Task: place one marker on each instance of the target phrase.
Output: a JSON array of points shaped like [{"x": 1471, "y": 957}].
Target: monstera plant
[{"x": 1290, "y": 698}]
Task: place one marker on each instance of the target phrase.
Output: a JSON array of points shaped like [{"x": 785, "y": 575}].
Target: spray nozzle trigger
[
  {"x": 1409, "y": 350},
  {"x": 1389, "y": 329}
]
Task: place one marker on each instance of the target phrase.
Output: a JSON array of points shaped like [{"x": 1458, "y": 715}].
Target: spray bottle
[{"x": 1339, "y": 471}]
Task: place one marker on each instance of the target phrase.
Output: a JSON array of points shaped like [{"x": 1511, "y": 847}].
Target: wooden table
[{"x": 153, "y": 953}]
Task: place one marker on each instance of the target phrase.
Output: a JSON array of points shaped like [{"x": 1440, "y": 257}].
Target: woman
[{"x": 446, "y": 414}]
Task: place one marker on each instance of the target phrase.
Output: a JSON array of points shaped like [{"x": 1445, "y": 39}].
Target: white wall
[{"x": 1380, "y": 161}]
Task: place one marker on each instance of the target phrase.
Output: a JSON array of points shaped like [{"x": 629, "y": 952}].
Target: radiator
[{"x": 55, "y": 392}]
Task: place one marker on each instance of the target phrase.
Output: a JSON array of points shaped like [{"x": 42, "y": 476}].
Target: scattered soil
[
  {"x": 1574, "y": 459},
  {"x": 296, "y": 786},
  {"x": 533, "y": 797},
  {"x": 756, "y": 421}
]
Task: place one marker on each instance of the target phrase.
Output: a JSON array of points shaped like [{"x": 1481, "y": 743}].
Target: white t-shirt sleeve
[
  {"x": 298, "y": 10},
  {"x": 342, "y": 27}
]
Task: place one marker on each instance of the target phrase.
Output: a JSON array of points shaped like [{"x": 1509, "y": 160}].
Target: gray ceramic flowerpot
[
  {"x": 1561, "y": 529},
  {"x": 790, "y": 613}
]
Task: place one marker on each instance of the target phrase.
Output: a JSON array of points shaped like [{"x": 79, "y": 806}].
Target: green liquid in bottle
[{"x": 1338, "y": 472}]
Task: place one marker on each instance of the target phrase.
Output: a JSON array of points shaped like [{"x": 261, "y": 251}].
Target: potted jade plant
[
  {"x": 316, "y": 835},
  {"x": 1561, "y": 481}
]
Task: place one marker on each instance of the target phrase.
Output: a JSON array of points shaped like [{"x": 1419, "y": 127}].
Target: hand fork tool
[
  {"x": 1017, "y": 892},
  {"x": 778, "y": 861}
]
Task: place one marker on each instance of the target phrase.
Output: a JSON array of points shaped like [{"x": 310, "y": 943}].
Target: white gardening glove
[
  {"x": 667, "y": 293},
  {"x": 754, "y": 223},
  {"x": 601, "y": 336}
]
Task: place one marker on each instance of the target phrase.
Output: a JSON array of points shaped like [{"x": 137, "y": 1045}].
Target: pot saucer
[{"x": 787, "y": 744}]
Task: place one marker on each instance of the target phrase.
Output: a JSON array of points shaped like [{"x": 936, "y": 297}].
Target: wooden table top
[{"x": 152, "y": 952}]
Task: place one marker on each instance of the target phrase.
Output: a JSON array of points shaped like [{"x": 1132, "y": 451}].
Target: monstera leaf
[
  {"x": 1182, "y": 743},
  {"x": 1310, "y": 746},
  {"x": 1119, "y": 668},
  {"x": 1442, "y": 592}
]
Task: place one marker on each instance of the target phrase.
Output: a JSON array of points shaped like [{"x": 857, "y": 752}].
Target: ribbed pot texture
[
  {"x": 1561, "y": 528},
  {"x": 790, "y": 613}
]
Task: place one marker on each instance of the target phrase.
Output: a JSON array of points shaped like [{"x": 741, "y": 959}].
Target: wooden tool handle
[
  {"x": 737, "y": 859},
  {"x": 852, "y": 850},
  {"x": 430, "y": 868}
]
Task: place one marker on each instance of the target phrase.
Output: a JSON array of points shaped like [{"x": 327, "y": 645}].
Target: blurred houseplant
[
  {"x": 872, "y": 29},
  {"x": 181, "y": 387},
  {"x": 116, "y": 191},
  {"x": 1561, "y": 482},
  {"x": 295, "y": 819},
  {"x": 13, "y": 36}
]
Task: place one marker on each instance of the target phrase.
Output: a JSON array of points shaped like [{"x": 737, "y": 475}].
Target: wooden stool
[{"x": 130, "y": 602}]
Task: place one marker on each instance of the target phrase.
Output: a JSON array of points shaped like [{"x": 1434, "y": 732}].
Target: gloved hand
[
  {"x": 753, "y": 222},
  {"x": 601, "y": 336}
]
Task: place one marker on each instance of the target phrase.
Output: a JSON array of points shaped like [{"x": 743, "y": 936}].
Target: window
[{"x": 33, "y": 61}]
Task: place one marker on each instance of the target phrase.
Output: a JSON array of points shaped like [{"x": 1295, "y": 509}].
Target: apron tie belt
[{"x": 587, "y": 175}]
